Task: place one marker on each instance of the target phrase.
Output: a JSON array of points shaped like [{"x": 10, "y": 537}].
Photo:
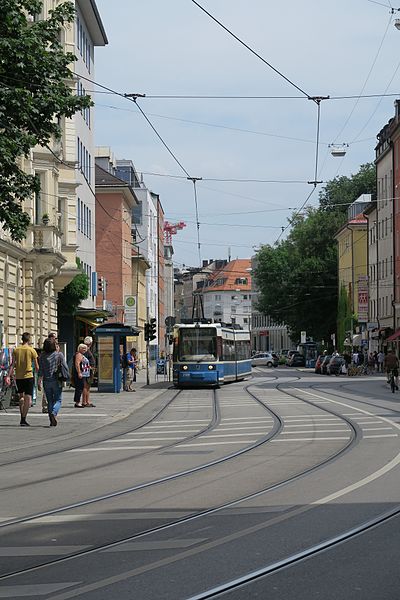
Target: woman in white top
[{"x": 81, "y": 369}]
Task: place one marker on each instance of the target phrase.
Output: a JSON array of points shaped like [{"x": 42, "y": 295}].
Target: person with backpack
[{"x": 53, "y": 370}]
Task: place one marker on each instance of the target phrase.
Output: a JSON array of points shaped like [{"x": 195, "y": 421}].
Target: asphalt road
[{"x": 283, "y": 486}]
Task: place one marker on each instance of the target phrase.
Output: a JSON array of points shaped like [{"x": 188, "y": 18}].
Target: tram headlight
[
  {"x": 211, "y": 367},
  {"x": 185, "y": 368}
]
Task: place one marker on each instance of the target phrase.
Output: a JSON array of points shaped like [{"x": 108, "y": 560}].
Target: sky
[{"x": 325, "y": 48}]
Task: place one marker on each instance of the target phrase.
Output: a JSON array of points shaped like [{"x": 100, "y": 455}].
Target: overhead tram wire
[
  {"x": 134, "y": 99},
  {"x": 252, "y": 50},
  {"x": 365, "y": 82}
]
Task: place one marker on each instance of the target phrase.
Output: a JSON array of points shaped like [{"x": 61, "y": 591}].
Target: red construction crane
[{"x": 171, "y": 229}]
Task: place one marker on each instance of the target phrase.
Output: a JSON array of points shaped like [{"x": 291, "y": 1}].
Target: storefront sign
[{"x": 362, "y": 309}]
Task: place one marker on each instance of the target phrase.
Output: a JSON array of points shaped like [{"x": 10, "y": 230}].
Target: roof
[
  {"x": 93, "y": 22},
  {"x": 105, "y": 178},
  {"x": 230, "y": 274}
]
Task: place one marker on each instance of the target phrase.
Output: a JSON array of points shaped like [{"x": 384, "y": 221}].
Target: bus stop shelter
[{"x": 110, "y": 338}]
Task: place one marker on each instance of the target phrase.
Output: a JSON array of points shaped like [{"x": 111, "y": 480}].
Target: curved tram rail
[{"x": 191, "y": 517}]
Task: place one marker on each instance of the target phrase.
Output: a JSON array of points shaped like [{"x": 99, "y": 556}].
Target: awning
[
  {"x": 394, "y": 337},
  {"x": 92, "y": 316}
]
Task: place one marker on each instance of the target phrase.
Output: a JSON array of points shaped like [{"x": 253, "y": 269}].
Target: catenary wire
[{"x": 251, "y": 50}]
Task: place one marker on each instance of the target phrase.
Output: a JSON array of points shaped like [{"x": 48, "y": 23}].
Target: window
[
  {"x": 241, "y": 281},
  {"x": 78, "y": 214},
  {"x": 217, "y": 297}
]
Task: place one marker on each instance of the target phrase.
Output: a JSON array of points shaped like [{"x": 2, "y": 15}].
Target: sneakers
[{"x": 53, "y": 420}]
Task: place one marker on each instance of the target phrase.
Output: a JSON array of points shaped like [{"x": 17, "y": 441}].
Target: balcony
[{"x": 43, "y": 238}]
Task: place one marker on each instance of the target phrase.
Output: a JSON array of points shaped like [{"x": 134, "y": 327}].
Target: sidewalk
[{"x": 109, "y": 408}]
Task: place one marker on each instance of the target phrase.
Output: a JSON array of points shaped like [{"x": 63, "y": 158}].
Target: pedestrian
[
  {"x": 375, "y": 354},
  {"x": 23, "y": 359},
  {"x": 81, "y": 373},
  {"x": 355, "y": 358},
  {"x": 51, "y": 362},
  {"x": 92, "y": 362},
  {"x": 391, "y": 363},
  {"x": 51, "y": 336},
  {"x": 371, "y": 363},
  {"x": 131, "y": 360},
  {"x": 381, "y": 358}
]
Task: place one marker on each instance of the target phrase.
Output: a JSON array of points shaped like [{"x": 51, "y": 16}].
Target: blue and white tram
[{"x": 209, "y": 354}]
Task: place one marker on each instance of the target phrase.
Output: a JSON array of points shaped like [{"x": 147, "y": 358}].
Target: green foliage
[
  {"x": 36, "y": 90},
  {"x": 298, "y": 278},
  {"x": 342, "y": 191},
  {"x": 73, "y": 294}
]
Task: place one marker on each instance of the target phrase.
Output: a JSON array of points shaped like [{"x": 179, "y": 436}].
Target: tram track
[
  {"x": 358, "y": 399},
  {"x": 294, "y": 559},
  {"x": 89, "y": 443},
  {"x": 193, "y": 516}
]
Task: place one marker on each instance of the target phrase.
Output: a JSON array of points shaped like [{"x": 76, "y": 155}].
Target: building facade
[
  {"x": 384, "y": 231},
  {"x": 227, "y": 294},
  {"x": 115, "y": 200},
  {"x": 34, "y": 271}
]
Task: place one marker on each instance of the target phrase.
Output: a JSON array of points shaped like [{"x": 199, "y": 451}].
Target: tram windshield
[{"x": 198, "y": 344}]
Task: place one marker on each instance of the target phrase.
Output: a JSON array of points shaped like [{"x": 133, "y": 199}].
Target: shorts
[{"x": 25, "y": 386}]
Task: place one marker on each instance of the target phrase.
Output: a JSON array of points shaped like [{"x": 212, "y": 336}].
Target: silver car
[{"x": 264, "y": 359}]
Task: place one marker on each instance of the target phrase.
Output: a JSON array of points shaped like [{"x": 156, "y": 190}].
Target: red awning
[{"x": 394, "y": 337}]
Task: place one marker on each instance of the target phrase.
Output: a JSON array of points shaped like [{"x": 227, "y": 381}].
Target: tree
[
  {"x": 342, "y": 191},
  {"x": 36, "y": 90},
  {"x": 297, "y": 279}
]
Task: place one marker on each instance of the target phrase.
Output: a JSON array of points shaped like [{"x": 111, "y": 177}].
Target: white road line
[
  {"x": 153, "y": 432},
  {"x": 317, "y": 431},
  {"x": 386, "y": 435},
  {"x": 310, "y": 439},
  {"x": 310, "y": 415},
  {"x": 216, "y": 443},
  {"x": 166, "y": 427},
  {"x": 369, "y": 422},
  {"x": 132, "y": 440},
  {"x": 211, "y": 435},
  {"x": 376, "y": 428},
  {"x": 123, "y": 448},
  {"x": 247, "y": 419},
  {"x": 323, "y": 424},
  {"x": 185, "y": 421}
]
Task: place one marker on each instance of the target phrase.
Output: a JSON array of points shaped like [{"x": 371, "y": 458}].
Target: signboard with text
[
  {"x": 362, "y": 307},
  {"x": 130, "y": 310}
]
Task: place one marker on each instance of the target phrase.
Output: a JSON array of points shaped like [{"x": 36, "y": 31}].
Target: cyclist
[{"x": 391, "y": 363}]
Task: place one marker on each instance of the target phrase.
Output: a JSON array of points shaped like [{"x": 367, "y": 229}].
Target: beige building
[{"x": 34, "y": 271}]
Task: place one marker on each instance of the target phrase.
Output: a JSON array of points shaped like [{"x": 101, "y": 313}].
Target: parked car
[
  {"x": 335, "y": 365},
  {"x": 325, "y": 363},
  {"x": 318, "y": 363},
  {"x": 264, "y": 359},
  {"x": 297, "y": 360}
]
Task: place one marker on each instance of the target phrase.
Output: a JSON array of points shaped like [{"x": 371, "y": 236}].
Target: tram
[{"x": 209, "y": 354}]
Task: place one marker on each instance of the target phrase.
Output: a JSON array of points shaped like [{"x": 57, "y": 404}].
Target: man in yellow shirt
[{"x": 23, "y": 359}]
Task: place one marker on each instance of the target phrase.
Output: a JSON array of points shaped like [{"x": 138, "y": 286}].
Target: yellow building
[{"x": 352, "y": 241}]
